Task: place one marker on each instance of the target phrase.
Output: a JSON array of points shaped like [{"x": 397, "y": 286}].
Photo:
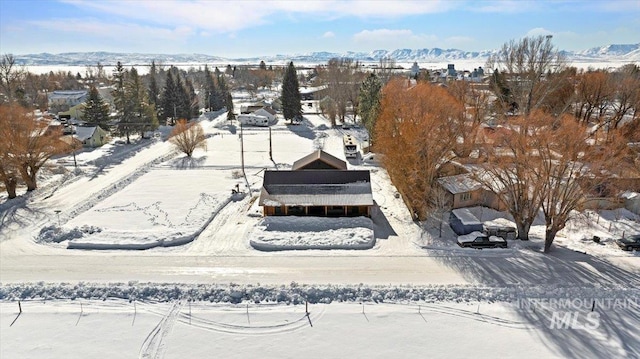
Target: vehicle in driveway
[
  {"x": 630, "y": 243},
  {"x": 481, "y": 240}
]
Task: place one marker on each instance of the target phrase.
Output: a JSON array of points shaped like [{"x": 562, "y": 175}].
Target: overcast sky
[{"x": 240, "y": 28}]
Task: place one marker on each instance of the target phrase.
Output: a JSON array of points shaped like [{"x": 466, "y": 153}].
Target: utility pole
[
  {"x": 270, "y": 148},
  {"x": 242, "y": 147}
]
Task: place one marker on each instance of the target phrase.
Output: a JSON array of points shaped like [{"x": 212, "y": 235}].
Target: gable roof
[
  {"x": 320, "y": 156},
  {"x": 461, "y": 183},
  {"x": 316, "y": 188},
  {"x": 84, "y": 133},
  {"x": 268, "y": 110}
]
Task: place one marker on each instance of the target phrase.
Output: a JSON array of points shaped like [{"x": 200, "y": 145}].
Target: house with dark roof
[
  {"x": 325, "y": 193},
  {"x": 318, "y": 185}
]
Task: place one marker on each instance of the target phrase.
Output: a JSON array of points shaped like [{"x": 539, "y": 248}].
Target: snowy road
[{"x": 117, "y": 267}]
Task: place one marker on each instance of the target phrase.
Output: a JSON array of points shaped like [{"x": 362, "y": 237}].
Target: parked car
[
  {"x": 480, "y": 240},
  {"x": 631, "y": 243}
]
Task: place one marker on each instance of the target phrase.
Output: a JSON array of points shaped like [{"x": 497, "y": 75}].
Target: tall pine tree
[
  {"x": 154, "y": 90},
  {"x": 96, "y": 111},
  {"x": 291, "y": 107},
  {"x": 143, "y": 116},
  {"x": 369, "y": 102}
]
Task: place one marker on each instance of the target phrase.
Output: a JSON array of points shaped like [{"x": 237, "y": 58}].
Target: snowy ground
[
  {"x": 146, "y": 195},
  {"x": 182, "y": 329}
]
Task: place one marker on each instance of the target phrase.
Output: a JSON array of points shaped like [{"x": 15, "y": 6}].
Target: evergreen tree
[
  {"x": 228, "y": 70},
  {"x": 208, "y": 89},
  {"x": 120, "y": 101},
  {"x": 169, "y": 99},
  {"x": 263, "y": 66},
  {"x": 229, "y": 105},
  {"x": 369, "y": 102},
  {"x": 154, "y": 90},
  {"x": 96, "y": 111},
  {"x": 291, "y": 107},
  {"x": 143, "y": 116},
  {"x": 193, "y": 105},
  {"x": 183, "y": 102}
]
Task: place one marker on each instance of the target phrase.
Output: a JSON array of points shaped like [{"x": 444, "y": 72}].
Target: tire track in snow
[{"x": 153, "y": 346}]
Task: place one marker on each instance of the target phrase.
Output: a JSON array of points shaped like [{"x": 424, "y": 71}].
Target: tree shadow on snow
[
  {"x": 573, "y": 274},
  {"x": 17, "y": 212},
  {"x": 381, "y": 227},
  {"x": 186, "y": 162},
  {"x": 303, "y": 129}
]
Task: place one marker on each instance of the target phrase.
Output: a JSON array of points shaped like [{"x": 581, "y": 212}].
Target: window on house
[{"x": 465, "y": 196}]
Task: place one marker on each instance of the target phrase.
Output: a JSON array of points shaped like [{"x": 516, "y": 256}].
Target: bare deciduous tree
[
  {"x": 508, "y": 174},
  {"x": 29, "y": 144},
  {"x": 11, "y": 76},
  {"x": 532, "y": 66},
  {"x": 566, "y": 158},
  {"x": 188, "y": 136},
  {"x": 414, "y": 132}
]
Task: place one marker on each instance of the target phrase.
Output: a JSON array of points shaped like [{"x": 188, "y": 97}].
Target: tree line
[{"x": 554, "y": 144}]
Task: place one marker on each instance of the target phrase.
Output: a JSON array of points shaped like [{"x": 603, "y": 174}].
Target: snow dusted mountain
[
  {"x": 619, "y": 53},
  {"x": 111, "y": 58}
]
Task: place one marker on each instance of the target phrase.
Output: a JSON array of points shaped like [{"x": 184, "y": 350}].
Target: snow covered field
[
  {"x": 146, "y": 195},
  {"x": 181, "y": 329}
]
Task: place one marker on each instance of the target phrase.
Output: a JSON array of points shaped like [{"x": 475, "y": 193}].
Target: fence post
[{"x": 20, "y": 306}]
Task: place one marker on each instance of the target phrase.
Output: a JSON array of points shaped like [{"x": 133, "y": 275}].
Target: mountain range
[{"x": 609, "y": 53}]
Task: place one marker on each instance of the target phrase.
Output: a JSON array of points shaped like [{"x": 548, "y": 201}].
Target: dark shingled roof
[
  {"x": 316, "y": 188},
  {"x": 321, "y": 156}
]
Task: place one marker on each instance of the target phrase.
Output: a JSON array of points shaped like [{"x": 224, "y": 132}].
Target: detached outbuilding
[{"x": 462, "y": 221}]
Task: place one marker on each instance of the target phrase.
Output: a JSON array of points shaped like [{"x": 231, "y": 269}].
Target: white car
[{"x": 481, "y": 240}]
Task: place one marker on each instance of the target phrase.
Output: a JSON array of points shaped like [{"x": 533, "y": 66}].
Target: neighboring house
[
  {"x": 267, "y": 112},
  {"x": 253, "y": 107},
  {"x": 313, "y": 93},
  {"x": 464, "y": 191},
  {"x": 319, "y": 160},
  {"x": 318, "y": 185},
  {"x": 64, "y": 100},
  {"x": 91, "y": 136},
  {"x": 76, "y": 112}
]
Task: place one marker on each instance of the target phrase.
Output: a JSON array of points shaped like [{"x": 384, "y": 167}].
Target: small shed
[{"x": 462, "y": 221}]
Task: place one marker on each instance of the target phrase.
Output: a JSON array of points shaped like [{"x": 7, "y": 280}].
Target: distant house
[
  {"x": 91, "y": 136},
  {"x": 76, "y": 112},
  {"x": 415, "y": 69},
  {"x": 267, "y": 112},
  {"x": 318, "y": 185},
  {"x": 253, "y": 107},
  {"x": 313, "y": 93},
  {"x": 64, "y": 100}
]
